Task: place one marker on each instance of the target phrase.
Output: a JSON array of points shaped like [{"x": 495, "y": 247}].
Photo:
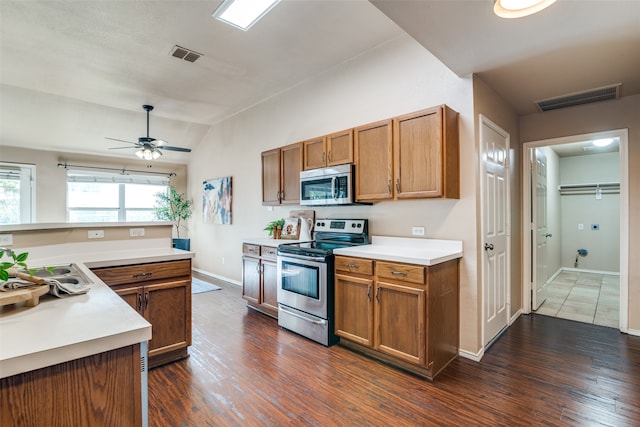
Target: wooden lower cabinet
[
  {"x": 164, "y": 301},
  {"x": 99, "y": 390},
  {"x": 260, "y": 278},
  {"x": 400, "y": 313}
]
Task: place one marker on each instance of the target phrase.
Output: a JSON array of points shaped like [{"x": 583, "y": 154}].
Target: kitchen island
[{"x": 79, "y": 360}]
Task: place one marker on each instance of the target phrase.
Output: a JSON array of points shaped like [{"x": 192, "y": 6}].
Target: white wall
[
  {"x": 397, "y": 78},
  {"x": 603, "y": 245}
]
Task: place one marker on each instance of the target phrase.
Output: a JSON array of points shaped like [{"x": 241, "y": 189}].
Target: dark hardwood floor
[{"x": 245, "y": 371}]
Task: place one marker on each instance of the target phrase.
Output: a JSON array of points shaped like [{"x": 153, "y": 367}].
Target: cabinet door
[
  {"x": 315, "y": 154},
  {"x": 270, "y": 285},
  {"x": 290, "y": 176},
  {"x": 373, "y": 157},
  {"x": 271, "y": 177},
  {"x": 251, "y": 279},
  {"x": 399, "y": 321},
  {"x": 340, "y": 148},
  {"x": 418, "y": 154},
  {"x": 168, "y": 309},
  {"x": 354, "y": 309},
  {"x": 132, "y": 296}
]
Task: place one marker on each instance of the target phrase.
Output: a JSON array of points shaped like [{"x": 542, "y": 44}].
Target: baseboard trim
[
  {"x": 217, "y": 276},
  {"x": 515, "y": 317},
  {"x": 635, "y": 332},
  {"x": 582, "y": 270},
  {"x": 476, "y": 357}
]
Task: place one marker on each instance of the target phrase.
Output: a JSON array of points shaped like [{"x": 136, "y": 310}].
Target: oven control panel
[{"x": 341, "y": 225}]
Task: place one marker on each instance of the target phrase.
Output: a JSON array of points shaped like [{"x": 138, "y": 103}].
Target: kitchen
[{"x": 232, "y": 148}]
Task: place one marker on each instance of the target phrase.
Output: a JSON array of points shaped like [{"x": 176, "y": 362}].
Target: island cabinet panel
[
  {"x": 404, "y": 314},
  {"x": 161, "y": 293},
  {"x": 260, "y": 277},
  {"x": 99, "y": 390}
]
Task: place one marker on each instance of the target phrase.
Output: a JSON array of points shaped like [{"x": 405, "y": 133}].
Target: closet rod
[{"x": 122, "y": 171}]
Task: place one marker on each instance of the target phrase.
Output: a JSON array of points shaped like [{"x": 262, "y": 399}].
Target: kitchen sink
[{"x": 68, "y": 273}]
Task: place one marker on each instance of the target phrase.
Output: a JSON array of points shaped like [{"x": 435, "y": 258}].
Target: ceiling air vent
[
  {"x": 578, "y": 98},
  {"x": 184, "y": 53}
]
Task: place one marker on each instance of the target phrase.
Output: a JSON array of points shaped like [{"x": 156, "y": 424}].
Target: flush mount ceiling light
[
  {"x": 243, "y": 13},
  {"x": 602, "y": 142},
  {"x": 519, "y": 8}
]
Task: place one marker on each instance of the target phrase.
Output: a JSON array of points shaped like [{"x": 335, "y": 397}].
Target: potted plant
[
  {"x": 274, "y": 227},
  {"x": 173, "y": 206}
]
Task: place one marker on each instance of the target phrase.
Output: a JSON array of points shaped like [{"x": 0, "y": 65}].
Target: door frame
[
  {"x": 484, "y": 120},
  {"x": 623, "y": 134}
]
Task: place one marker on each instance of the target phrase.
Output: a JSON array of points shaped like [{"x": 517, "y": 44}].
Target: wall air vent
[
  {"x": 184, "y": 53},
  {"x": 578, "y": 98}
]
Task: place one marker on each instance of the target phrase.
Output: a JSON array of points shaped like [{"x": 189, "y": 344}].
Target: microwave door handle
[{"x": 333, "y": 187}]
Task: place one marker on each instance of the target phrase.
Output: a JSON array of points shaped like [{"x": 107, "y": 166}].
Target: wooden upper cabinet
[
  {"x": 315, "y": 153},
  {"x": 281, "y": 175},
  {"x": 373, "y": 146},
  {"x": 271, "y": 177},
  {"x": 291, "y": 158},
  {"x": 340, "y": 148},
  {"x": 425, "y": 151},
  {"x": 330, "y": 150}
]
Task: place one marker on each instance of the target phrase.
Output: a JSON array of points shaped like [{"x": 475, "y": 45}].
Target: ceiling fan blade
[
  {"x": 121, "y": 140},
  {"x": 119, "y": 148},
  {"x": 170, "y": 148}
]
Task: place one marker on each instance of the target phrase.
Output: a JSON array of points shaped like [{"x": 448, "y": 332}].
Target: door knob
[
  {"x": 488, "y": 246},
  {"x": 548, "y": 235}
]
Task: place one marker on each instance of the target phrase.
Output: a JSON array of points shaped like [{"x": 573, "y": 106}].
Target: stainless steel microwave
[{"x": 327, "y": 186}]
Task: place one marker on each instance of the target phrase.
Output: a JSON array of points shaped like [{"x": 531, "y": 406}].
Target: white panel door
[
  {"x": 494, "y": 146},
  {"x": 539, "y": 221}
]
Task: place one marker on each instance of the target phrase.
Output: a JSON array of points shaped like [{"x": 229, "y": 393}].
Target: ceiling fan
[{"x": 148, "y": 147}]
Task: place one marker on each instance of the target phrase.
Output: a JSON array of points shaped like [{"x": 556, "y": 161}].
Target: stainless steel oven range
[{"x": 305, "y": 278}]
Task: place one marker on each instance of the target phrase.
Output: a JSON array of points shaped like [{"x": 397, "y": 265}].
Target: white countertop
[
  {"x": 407, "y": 250},
  {"x": 62, "y": 329}
]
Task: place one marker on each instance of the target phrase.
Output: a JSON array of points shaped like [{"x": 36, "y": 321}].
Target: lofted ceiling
[{"x": 73, "y": 72}]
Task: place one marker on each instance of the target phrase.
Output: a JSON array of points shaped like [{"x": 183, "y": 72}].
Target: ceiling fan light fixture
[
  {"x": 148, "y": 154},
  {"x": 519, "y": 8}
]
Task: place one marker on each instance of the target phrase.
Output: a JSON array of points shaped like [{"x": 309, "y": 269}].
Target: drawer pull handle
[
  {"x": 352, "y": 265},
  {"x": 399, "y": 273},
  {"x": 142, "y": 275},
  {"x": 369, "y": 293},
  {"x": 378, "y": 294}
]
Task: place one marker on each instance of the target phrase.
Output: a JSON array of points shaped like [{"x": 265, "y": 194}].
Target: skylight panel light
[{"x": 243, "y": 13}]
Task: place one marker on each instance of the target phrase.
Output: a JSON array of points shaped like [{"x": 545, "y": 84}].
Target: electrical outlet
[
  {"x": 136, "y": 232},
  {"x": 417, "y": 231},
  {"x": 95, "y": 234},
  {"x": 6, "y": 239}
]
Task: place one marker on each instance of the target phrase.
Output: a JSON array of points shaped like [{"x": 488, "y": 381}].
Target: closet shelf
[{"x": 601, "y": 188}]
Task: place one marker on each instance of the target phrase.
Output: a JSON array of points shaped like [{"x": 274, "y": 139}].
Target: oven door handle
[
  {"x": 304, "y": 258},
  {"x": 315, "y": 322}
]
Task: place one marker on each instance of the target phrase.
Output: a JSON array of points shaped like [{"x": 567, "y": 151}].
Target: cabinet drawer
[
  {"x": 401, "y": 272},
  {"x": 143, "y": 272},
  {"x": 249, "y": 249},
  {"x": 354, "y": 265},
  {"x": 269, "y": 252}
]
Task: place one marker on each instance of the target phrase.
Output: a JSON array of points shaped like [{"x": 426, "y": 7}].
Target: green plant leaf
[
  {"x": 4, "y": 275},
  {"x": 6, "y": 265},
  {"x": 22, "y": 257}
]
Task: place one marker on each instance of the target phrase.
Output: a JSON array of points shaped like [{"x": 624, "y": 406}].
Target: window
[
  {"x": 107, "y": 197},
  {"x": 17, "y": 194}
]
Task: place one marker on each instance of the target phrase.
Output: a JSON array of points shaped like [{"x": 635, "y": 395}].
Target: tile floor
[{"x": 584, "y": 297}]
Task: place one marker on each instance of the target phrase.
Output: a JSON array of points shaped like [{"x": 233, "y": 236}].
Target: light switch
[
  {"x": 6, "y": 239},
  {"x": 95, "y": 234}
]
